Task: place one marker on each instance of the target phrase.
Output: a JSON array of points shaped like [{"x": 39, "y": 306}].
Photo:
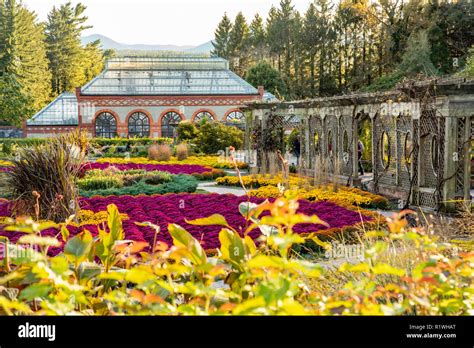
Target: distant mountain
[
  {"x": 108, "y": 43},
  {"x": 204, "y": 48}
]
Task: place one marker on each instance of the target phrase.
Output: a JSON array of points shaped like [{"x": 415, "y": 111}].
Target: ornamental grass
[
  {"x": 42, "y": 179},
  {"x": 182, "y": 151},
  {"x": 160, "y": 152}
]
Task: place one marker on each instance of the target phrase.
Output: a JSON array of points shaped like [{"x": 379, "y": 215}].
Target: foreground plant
[
  {"x": 104, "y": 274},
  {"x": 42, "y": 178}
]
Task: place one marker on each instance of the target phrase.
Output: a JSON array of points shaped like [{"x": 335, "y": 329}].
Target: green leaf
[
  {"x": 384, "y": 268},
  {"x": 78, "y": 247},
  {"x": 232, "y": 248},
  {"x": 181, "y": 237},
  {"x": 115, "y": 223},
  {"x": 360, "y": 267},
  {"x": 215, "y": 219},
  {"x": 59, "y": 264},
  {"x": 64, "y": 233},
  {"x": 34, "y": 239},
  {"x": 262, "y": 261},
  {"x": 250, "y": 244},
  {"x": 139, "y": 276},
  {"x": 35, "y": 291}
]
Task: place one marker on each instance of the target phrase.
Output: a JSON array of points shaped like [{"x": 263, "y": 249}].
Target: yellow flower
[{"x": 205, "y": 161}]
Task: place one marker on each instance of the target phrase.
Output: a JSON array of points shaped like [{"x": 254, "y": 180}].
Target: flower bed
[
  {"x": 266, "y": 187},
  {"x": 343, "y": 196},
  {"x": 198, "y": 171},
  {"x": 5, "y": 166},
  {"x": 176, "y": 208},
  {"x": 177, "y": 184},
  {"x": 5, "y": 163},
  {"x": 206, "y": 161}
]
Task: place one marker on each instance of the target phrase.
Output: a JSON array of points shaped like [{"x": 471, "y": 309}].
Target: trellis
[{"x": 421, "y": 135}]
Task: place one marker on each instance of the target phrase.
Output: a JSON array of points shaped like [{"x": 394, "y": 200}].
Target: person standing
[{"x": 360, "y": 151}]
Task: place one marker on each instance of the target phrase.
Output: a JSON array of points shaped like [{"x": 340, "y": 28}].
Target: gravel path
[{"x": 214, "y": 188}]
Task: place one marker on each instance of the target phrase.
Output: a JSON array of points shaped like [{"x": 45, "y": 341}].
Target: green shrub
[
  {"x": 157, "y": 179},
  {"x": 94, "y": 142},
  {"x": 100, "y": 182},
  {"x": 177, "y": 184},
  {"x": 187, "y": 131},
  {"x": 214, "y": 137},
  {"x": 7, "y": 148}
]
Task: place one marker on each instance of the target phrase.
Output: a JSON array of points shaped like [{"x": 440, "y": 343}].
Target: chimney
[{"x": 261, "y": 91}]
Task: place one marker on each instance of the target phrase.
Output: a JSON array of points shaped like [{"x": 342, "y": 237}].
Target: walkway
[{"x": 214, "y": 188}]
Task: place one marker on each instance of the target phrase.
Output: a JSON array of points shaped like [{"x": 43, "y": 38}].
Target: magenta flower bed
[
  {"x": 4, "y": 169},
  {"x": 171, "y": 168},
  {"x": 176, "y": 208}
]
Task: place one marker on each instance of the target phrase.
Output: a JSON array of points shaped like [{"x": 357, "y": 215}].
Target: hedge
[
  {"x": 179, "y": 183},
  {"x": 94, "y": 141}
]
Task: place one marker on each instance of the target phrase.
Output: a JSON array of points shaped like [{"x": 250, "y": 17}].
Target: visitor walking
[{"x": 360, "y": 151}]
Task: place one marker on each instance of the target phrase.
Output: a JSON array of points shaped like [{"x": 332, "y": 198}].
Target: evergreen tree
[
  {"x": 239, "y": 44},
  {"x": 25, "y": 78},
  {"x": 222, "y": 38},
  {"x": 416, "y": 58},
  {"x": 274, "y": 37},
  {"x": 257, "y": 38},
  {"x": 65, "y": 52},
  {"x": 312, "y": 42},
  {"x": 93, "y": 60}
]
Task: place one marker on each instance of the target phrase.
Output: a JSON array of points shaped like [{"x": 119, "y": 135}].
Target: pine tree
[
  {"x": 312, "y": 43},
  {"x": 65, "y": 52},
  {"x": 416, "y": 58},
  {"x": 274, "y": 37},
  {"x": 93, "y": 60},
  {"x": 23, "y": 64},
  {"x": 239, "y": 44},
  {"x": 257, "y": 38},
  {"x": 222, "y": 38}
]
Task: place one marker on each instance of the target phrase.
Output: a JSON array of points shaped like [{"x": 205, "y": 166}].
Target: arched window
[
  {"x": 203, "y": 115},
  {"x": 105, "y": 125},
  {"x": 235, "y": 117},
  {"x": 169, "y": 122},
  {"x": 139, "y": 125}
]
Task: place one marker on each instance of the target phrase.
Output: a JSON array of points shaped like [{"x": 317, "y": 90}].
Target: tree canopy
[
  {"x": 351, "y": 45},
  {"x": 39, "y": 61}
]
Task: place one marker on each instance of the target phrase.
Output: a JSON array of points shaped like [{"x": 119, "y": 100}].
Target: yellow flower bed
[
  {"x": 5, "y": 163},
  {"x": 265, "y": 186},
  {"x": 88, "y": 217},
  {"x": 316, "y": 194},
  {"x": 84, "y": 217},
  {"x": 255, "y": 181},
  {"x": 205, "y": 161}
]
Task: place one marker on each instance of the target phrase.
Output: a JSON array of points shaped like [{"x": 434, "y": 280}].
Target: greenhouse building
[{"x": 148, "y": 97}]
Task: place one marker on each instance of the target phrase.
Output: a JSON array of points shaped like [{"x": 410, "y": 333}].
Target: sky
[{"x": 177, "y": 22}]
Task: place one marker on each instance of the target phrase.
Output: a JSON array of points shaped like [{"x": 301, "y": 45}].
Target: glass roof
[
  {"x": 168, "y": 76},
  {"x": 61, "y": 111}
]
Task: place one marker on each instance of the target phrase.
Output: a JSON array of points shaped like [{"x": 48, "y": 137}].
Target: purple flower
[{"x": 176, "y": 208}]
